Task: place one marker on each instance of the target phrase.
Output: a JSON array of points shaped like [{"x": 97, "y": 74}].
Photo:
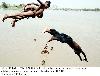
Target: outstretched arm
[
  {"x": 52, "y": 38},
  {"x": 40, "y": 2}
]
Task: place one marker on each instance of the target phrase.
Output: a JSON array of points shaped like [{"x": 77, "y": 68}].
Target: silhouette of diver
[{"x": 63, "y": 38}]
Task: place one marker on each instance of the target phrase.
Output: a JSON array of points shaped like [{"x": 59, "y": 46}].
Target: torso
[{"x": 41, "y": 7}]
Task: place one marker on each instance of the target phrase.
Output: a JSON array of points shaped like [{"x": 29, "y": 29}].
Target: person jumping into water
[
  {"x": 28, "y": 7},
  {"x": 30, "y": 13},
  {"x": 66, "y": 39}
]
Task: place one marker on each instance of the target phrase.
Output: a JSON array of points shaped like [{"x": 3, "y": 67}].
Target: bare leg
[
  {"x": 79, "y": 57},
  {"x": 53, "y": 38},
  {"x": 84, "y": 56},
  {"x": 19, "y": 15},
  {"x": 79, "y": 50},
  {"x": 14, "y": 17},
  {"x": 13, "y": 23}
]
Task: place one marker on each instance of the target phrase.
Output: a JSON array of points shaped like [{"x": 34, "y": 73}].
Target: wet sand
[{"x": 18, "y": 48}]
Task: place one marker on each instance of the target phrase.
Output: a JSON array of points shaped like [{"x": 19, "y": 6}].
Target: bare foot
[
  {"x": 5, "y": 17},
  {"x": 86, "y": 60}
]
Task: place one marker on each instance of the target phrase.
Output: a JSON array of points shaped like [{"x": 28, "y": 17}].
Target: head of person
[{"x": 47, "y": 4}]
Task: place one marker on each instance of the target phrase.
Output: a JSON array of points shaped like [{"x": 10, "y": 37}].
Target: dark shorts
[{"x": 77, "y": 50}]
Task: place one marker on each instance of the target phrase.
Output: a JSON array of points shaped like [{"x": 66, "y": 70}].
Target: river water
[{"x": 18, "y": 48}]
